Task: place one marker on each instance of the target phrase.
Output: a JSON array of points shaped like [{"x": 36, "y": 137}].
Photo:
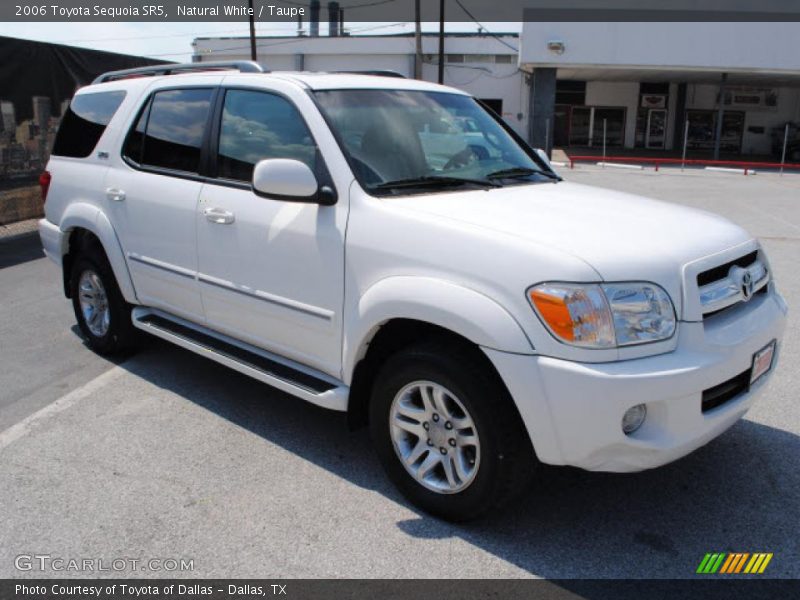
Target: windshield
[{"x": 399, "y": 141}]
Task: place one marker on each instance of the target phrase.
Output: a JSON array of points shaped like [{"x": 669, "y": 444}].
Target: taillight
[{"x": 44, "y": 183}]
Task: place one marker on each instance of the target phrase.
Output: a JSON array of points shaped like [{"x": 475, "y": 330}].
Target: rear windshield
[{"x": 84, "y": 123}]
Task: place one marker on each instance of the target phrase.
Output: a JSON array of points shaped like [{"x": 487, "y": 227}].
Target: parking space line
[{"x": 15, "y": 432}]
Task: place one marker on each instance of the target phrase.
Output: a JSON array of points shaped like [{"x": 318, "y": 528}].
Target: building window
[
  {"x": 496, "y": 104},
  {"x": 572, "y": 93}
]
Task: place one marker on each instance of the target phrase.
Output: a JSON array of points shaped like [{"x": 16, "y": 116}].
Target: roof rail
[
  {"x": 243, "y": 66},
  {"x": 376, "y": 73}
]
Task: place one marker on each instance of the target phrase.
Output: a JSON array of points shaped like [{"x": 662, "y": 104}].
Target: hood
[{"x": 622, "y": 236}]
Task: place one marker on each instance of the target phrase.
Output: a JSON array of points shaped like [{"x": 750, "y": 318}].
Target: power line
[
  {"x": 153, "y": 37},
  {"x": 293, "y": 40},
  {"x": 482, "y": 26}
]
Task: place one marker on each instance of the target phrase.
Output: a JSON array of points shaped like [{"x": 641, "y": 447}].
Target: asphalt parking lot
[{"x": 167, "y": 455}]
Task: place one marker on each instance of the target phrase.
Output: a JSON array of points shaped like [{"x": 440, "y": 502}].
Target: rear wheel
[
  {"x": 103, "y": 316},
  {"x": 448, "y": 433}
]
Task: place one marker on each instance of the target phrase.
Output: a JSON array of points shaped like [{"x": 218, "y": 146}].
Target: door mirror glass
[{"x": 285, "y": 179}]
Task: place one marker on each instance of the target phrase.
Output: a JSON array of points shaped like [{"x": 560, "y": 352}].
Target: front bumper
[{"x": 573, "y": 411}]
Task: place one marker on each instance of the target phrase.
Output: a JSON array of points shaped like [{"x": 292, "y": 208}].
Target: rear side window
[
  {"x": 169, "y": 132},
  {"x": 84, "y": 123}
]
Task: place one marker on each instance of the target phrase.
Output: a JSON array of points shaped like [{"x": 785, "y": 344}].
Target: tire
[
  {"x": 112, "y": 332},
  {"x": 492, "y": 472}
]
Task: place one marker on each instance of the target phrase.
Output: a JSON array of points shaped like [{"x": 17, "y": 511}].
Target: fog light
[{"x": 633, "y": 418}]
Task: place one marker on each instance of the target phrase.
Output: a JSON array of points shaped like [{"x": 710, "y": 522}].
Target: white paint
[
  {"x": 284, "y": 177},
  {"x": 727, "y": 170},
  {"x": 24, "y": 427},
  {"x": 617, "y": 165}
]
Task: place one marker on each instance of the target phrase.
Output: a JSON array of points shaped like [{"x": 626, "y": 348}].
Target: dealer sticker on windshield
[{"x": 762, "y": 362}]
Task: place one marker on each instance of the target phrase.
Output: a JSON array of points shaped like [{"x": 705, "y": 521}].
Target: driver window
[{"x": 259, "y": 125}]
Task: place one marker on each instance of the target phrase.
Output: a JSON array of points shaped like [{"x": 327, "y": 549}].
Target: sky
[{"x": 172, "y": 41}]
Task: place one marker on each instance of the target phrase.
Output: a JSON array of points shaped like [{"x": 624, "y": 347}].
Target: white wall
[
  {"x": 765, "y": 47},
  {"x": 400, "y": 63}
]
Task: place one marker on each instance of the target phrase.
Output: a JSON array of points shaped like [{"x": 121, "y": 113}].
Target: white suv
[{"x": 346, "y": 239}]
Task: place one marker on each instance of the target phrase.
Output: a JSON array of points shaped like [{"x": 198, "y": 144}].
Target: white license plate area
[{"x": 762, "y": 362}]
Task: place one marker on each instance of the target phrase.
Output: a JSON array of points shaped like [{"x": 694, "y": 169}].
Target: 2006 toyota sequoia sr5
[{"x": 391, "y": 248}]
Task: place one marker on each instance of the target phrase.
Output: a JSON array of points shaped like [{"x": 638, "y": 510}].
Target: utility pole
[
  {"x": 252, "y": 32},
  {"x": 441, "y": 41},
  {"x": 417, "y": 41}
]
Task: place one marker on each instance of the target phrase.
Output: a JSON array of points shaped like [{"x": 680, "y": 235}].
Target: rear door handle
[
  {"x": 219, "y": 216},
  {"x": 115, "y": 194}
]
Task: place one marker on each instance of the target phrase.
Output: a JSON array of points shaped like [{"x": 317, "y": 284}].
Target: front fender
[
  {"x": 461, "y": 310},
  {"x": 87, "y": 216}
]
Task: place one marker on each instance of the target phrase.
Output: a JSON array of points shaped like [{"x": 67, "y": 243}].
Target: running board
[{"x": 276, "y": 371}]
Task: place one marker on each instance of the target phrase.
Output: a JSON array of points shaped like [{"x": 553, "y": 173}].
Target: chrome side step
[{"x": 276, "y": 371}]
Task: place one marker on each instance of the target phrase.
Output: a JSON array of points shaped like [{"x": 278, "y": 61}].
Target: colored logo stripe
[
  {"x": 733, "y": 562},
  {"x": 711, "y": 562}
]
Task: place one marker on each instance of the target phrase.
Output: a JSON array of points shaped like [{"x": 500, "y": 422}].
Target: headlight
[{"x": 604, "y": 315}]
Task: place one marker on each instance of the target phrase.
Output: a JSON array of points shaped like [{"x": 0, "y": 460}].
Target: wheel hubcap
[
  {"x": 435, "y": 437},
  {"x": 94, "y": 303}
]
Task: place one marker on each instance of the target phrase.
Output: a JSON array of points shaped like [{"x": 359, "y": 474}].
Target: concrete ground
[{"x": 169, "y": 456}]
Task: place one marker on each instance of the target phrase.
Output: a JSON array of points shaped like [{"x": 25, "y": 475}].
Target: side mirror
[{"x": 291, "y": 180}]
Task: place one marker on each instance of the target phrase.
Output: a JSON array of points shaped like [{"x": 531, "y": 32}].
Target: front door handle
[
  {"x": 219, "y": 216},
  {"x": 115, "y": 194}
]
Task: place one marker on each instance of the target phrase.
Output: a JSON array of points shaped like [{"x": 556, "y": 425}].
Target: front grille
[
  {"x": 760, "y": 292},
  {"x": 725, "y": 391},
  {"x": 732, "y": 283},
  {"x": 721, "y": 271}
]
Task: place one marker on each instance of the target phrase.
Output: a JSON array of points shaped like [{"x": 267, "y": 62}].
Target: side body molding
[
  {"x": 461, "y": 310},
  {"x": 89, "y": 217}
]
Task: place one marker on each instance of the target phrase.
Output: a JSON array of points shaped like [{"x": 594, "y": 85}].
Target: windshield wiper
[
  {"x": 434, "y": 181},
  {"x": 518, "y": 172}
]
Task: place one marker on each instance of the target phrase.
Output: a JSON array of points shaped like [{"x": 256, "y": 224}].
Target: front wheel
[{"x": 448, "y": 433}]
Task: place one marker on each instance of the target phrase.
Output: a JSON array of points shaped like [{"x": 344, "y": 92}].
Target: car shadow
[
  {"x": 20, "y": 249},
  {"x": 740, "y": 493}
]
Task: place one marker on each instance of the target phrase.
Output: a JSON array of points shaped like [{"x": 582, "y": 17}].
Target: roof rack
[
  {"x": 374, "y": 72},
  {"x": 243, "y": 66}
]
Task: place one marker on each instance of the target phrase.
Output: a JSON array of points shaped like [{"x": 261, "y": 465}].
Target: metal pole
[
  {"x": 417, "y": 41},
  {"x": 547, "y": 137},
  {"x": 685, "y": 142},
  {"x": 441, "y": 41},
  {"x": 252, "y": 31},
  {"x": 720, "y": 116},
  {"x": 785, "y": 139},
  {"x": 604, "y": 143}
]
